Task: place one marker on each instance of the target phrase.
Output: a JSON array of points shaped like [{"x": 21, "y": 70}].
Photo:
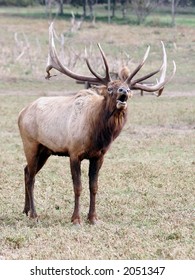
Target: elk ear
[
  {"x": 101, "y": 90},
  {"x": 124, "y": 73}
]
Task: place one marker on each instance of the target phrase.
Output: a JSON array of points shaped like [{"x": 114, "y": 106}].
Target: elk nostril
[{"x": 123, "y": 90}]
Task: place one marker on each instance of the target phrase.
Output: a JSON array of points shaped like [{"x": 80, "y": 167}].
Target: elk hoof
[
  {"x": 93, "y": 220},
  {"x": 33, "y": 215},
  {"x": 76, "y": 221},
  {"x": 25, "y": 212}
]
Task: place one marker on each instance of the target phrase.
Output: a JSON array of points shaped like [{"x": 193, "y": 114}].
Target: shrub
[{"x": 22, "y": 3}]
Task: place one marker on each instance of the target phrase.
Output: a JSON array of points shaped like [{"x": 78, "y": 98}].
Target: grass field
[{"x": 146, "y": 192}]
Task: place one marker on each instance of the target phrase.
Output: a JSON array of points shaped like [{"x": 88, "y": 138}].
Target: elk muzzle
[{"x": 123, "y": 95}]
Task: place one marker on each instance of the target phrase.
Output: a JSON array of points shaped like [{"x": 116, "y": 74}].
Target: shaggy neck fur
[{"x": 109, "y": 125}]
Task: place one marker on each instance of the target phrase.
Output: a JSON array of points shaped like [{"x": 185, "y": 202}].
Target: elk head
[{"x": 117, "y": 90}]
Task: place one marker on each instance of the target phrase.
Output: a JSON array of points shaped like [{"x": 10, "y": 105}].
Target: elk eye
[{"x": 110, "y": 90}]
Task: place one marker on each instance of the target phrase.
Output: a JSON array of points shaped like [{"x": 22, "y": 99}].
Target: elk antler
[
  {"x": 105, "y": 79},
  {"x": 128, "y": 80},
  {"x": 159, "y": 86},
  {"x": 54, "y": 62}
]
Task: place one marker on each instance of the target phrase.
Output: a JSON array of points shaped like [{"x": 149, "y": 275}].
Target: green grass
[
  {"x": 145, "y": 201},
  {"x": 185, "y": 20},
  {"x": 160, "y": 17}
]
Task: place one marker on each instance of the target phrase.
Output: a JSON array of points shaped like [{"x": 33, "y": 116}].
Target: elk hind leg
[
  {"x": 35, "y": 163},
  {"x": 29, "y": 177}
]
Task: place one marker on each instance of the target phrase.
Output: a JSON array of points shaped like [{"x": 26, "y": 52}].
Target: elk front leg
[
  {"x": 94, "y": 167},
  {"x": 75, "y": 165}
]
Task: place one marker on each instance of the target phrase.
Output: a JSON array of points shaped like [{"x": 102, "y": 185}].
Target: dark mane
[{"x": 109, "y": 126}]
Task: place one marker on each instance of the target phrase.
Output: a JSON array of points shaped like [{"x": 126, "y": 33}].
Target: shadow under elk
[{"x": 80, "y": 127}]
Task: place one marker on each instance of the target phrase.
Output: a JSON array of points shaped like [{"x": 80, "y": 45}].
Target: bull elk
[{"x": 80, "y": 127}]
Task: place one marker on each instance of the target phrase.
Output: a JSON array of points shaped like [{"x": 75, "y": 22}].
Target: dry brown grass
[{"x": 146, "y": 186}]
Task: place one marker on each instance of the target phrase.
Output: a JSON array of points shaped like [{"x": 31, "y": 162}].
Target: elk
[{"x": 81, "y": 126}]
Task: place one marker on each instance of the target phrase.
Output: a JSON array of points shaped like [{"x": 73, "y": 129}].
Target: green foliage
[
  {"x": 19, "y": 3},
  {"x": 161, "y": 17}
]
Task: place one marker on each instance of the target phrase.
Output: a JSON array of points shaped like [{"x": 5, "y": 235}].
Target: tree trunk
[
  {"x": 84, "y": 8},
  {"x": 124, "y": 8},
  {"x": 61, "y": 11},
  {"x": 113, "y": 7},
  {"x": 90, "y": 3},
  {"x": 173, "y": 12},
  {"x": 109, "y": 8}
]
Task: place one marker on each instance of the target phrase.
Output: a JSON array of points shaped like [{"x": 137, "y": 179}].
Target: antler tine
[
  {"x": 145, "y": 77},
  {"x": 128, "y": 80},
  {"x": 154, "y": 72},
  {"x": 54, "y": 62},
  {"x": 159, "y": 86},
  {"x": 105, "y": 79},
  {"x": 164, "y": 66},
  {"x": 99, "y": 77}
]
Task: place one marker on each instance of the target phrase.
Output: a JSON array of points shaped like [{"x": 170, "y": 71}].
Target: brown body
[{"x": 80, "y": 127}]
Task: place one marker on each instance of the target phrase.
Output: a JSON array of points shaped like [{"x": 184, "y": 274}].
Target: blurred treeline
[{"x": 148, "y": 3}]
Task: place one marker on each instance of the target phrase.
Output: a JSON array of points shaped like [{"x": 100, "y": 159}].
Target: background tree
[
  {"x": 19, "y": 3},
  {"x": 84, "y": 4},
  {"x": 124, "y": 7},
  {"x": 61, "y": 6},
  {"x": 175, "y": 4},
  {"x": 143, "y": 8}
]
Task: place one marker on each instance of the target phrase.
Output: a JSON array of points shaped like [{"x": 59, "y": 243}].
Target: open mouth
[
  {"x": 122, "y": 101},
  {"x": 123, "y": 98}
]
